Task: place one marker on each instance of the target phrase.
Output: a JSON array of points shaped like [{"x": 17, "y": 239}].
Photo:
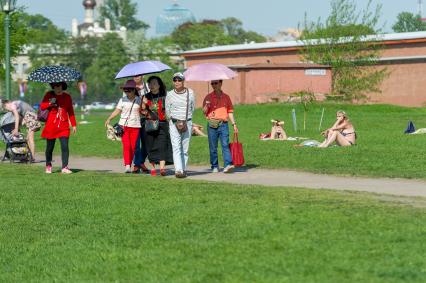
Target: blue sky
[{"x": 266, "y": 16}]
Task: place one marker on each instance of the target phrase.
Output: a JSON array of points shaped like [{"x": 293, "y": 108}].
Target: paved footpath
[{"x": 285, "y": 178}]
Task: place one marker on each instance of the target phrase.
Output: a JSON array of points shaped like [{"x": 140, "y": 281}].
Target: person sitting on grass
[{"x": 342, "y": 132}]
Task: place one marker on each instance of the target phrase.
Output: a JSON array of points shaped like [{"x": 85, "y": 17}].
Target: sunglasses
[
  {"x": 215, "y": 83},
  {"x": 55, "y": 85},
  {"x": 127, "y": 90},
  {"x": 177, "y": 80}
]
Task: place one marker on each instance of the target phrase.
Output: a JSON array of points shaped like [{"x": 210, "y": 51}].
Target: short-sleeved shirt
[
  {"x": 20, "y": 106},
  {"x": 219, "y": 107},
  {"x": 129, "y": 118}
]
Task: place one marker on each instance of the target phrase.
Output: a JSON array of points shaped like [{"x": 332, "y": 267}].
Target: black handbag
[
  {"x": 118, "y": 130},
  {"x": 151, "y": 125}
]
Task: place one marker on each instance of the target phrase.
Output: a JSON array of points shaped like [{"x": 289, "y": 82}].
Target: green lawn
[
  {"x": 382, "y": 150},
  {"x": 96, "y": 227}
]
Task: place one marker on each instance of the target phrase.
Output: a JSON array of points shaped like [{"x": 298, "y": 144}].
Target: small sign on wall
[{"x": 315, "y": 72}]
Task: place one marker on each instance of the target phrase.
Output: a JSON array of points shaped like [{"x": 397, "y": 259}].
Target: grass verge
[{"x": 109, "y": 227}]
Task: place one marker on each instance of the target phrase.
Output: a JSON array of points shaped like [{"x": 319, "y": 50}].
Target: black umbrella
[{"x": 54, "y": 74}]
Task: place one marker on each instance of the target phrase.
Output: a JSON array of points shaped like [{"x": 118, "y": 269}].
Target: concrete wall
[
  {"x": 406, "y": 84},
  {"x": 261, "y": 85}
]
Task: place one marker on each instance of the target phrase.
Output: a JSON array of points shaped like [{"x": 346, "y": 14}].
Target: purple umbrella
[
  {"x": 142, "y": 68},
  {"x": 209, "y": 72}
]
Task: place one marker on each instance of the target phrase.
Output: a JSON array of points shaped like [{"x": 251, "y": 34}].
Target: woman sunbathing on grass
[{"x": 342, "y": 132}]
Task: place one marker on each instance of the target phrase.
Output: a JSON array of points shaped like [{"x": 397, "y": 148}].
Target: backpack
[{"x": 410, "y": 128}]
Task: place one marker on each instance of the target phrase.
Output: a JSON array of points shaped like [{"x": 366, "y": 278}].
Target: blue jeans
[
  {"x": 140, "y": 151},
  {"x": 222, "y": 134}
]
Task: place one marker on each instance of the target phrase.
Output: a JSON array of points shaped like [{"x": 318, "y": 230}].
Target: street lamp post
[{"x": 7, "y": 6}]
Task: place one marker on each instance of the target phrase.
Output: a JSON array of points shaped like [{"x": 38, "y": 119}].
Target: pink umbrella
[{"x": 209, "y": 72}]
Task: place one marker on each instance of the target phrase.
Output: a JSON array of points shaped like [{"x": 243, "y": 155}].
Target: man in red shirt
[{"x": 218, "y": 108}]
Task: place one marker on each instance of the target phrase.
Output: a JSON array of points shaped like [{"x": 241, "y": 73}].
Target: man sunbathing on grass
[{"x": 342, "y": 132}]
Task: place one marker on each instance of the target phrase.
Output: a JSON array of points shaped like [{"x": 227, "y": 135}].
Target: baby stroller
[{"x": 16, "y": 146}]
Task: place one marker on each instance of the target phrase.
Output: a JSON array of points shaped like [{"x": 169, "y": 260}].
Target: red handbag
[{"x": 236, "y": 151}]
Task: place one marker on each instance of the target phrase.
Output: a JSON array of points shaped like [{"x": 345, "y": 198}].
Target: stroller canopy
[{"x": 5, "y": 124}]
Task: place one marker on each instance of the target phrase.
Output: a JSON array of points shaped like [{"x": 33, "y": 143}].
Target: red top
[
  {"x": 156, "y": 104},
  {"x": 218, "y": 101},
  {"x": 60, "y": 116}
]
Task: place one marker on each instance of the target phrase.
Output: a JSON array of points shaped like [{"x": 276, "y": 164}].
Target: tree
[
  {"x": 121, "y": 13},
  {"x": 162, "y": 49},
  {"x": 211, "y": 32},
  {"x": 110, "y": 57},
  {"x": 42, "y": 30},
  {"x": 47, "y": 44},
  {"x": 199, "y": 35},
  {"x": 233, "y": 27},
  {"x": 408, "y": 22},
  {"x": 342, "y": 42},
  {"x": 82, "y": 53}
]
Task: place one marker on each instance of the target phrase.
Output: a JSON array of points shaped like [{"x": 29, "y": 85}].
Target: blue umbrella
[
  {"x": 142, "y": 68},
  {"x": 54, "y": 74}
]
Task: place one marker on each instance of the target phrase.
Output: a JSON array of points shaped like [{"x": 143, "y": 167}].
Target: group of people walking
[{"x": 157, "y": 125}]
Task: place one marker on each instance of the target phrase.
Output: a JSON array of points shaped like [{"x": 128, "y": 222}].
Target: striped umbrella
[{"x": 54, "y": 74}]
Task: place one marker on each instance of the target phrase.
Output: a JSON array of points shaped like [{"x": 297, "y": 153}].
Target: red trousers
[{"x": 129, "y": 140}]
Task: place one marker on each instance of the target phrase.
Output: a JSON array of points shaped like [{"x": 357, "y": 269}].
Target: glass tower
[{"x": 171, "y": 18}]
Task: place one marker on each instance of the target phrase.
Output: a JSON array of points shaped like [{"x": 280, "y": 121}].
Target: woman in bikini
[{"x": 342, "y": 132}]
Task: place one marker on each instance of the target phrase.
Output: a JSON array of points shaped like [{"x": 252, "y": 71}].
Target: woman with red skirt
[{"x": 61, "y": 116}]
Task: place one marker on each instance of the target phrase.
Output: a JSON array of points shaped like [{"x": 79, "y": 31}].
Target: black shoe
[{"x": 180, "y": 175}]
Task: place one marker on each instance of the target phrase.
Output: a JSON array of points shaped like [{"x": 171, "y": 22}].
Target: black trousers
[{"x": 50, "y": 145}]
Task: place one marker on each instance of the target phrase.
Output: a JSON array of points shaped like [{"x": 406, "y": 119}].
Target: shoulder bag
[
  {"x": 119, "y": 130},
  {"x": 43, "y": 114},
  {"x": 181, "y": 125},
  {"x": 152, "y": 123}
]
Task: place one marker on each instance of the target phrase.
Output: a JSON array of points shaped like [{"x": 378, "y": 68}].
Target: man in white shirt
[{"x": 180, "y": 105}]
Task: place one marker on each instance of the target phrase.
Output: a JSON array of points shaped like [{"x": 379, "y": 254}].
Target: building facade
[
  {"x": 273, "y": 71},
  {"x": 90, "y": 27}
]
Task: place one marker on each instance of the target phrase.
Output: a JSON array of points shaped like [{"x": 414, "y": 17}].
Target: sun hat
[
  {"x": 179, "y": 75},
  {"x": 129, "y": 84}
]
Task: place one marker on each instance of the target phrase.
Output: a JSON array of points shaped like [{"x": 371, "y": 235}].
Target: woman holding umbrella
[
  {"x": 61, "y": 115},
  {"x": 157, "y": 138},
  {"x": 61, "y": 111}
]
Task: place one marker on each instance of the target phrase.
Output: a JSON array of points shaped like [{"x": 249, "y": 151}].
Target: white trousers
[{"x": 180, "y": 145}]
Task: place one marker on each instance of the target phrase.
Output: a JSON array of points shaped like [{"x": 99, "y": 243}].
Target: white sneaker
[
  {"x": 229, "y": 169},
  {"x": 215, "y": 170},
  {"x": 66, "y": 170},
  {"x": 128, "y": 169}
]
